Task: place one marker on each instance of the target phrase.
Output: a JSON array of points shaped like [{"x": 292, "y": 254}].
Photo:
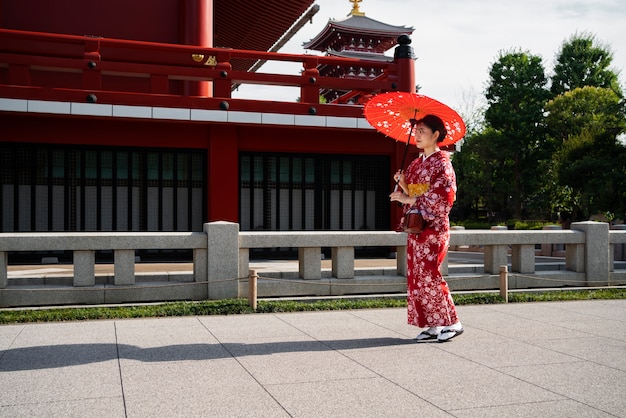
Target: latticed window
[
  {"x": 58, "y": 188},
  {"x": 313, "y": 192}
]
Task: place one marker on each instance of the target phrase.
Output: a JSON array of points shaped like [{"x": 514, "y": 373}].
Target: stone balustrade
[{"x": 221, "y": 263}]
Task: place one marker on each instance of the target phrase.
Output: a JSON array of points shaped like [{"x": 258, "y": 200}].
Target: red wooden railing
[{"x": 81, "y": 68}]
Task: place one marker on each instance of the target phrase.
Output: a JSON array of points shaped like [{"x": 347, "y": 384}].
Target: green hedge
[
  {"x": 518, "y": 224},
  {"x": 240, "y": 306}
]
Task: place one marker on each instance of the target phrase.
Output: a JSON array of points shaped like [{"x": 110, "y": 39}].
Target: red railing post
[
  {"x": 309, "y": 89},
  {"x": 92, "y": 79},
  {"x": 222, "y": 84}
]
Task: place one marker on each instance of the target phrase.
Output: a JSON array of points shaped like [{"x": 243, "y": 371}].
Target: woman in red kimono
[{"x": 429, "y": 186}]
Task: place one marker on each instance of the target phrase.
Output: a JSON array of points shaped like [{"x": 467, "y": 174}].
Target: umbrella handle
[
  {"x": 395, "y": 189},
  {"x": 406, "y": 149}
]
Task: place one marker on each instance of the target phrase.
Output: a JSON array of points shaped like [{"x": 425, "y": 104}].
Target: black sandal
[
  {"x": 425, "y": 336},
  {"x": 456, "y": 333}
]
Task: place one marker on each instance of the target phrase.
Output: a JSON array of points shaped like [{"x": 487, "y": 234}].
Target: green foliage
[
  {"x": 527, "y": 225},
  {"x": 240, "y": 306},
  {"x": 221, "y": 307},
  {"x": 516, "y": 94},
  {"x": 596, "y": 176},
  {"x": 584, "y": 121},
  {"x": 338, "y": 304},
  {"x": 483, "y": 175},
  {"x": 590, "y": 162},
  {"x": 500, "y": 168},
  {"x": 585, "y": 110},
  {"x": 562, "y": 295},
  {"x": 477, "y": 299},
  {"x": 542, "y": 153},
  {"x": 583, "y": 62},
  {"x": 474, "y": 224},
  {"x": 516, "y": 224},
  {"x": 209, "y": 307}
]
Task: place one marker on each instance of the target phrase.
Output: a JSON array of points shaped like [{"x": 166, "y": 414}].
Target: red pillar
[
  {"x": 196, "y": 28},
  {"x": 223, "y": 166},
  {"x": 405, "y": 60}
]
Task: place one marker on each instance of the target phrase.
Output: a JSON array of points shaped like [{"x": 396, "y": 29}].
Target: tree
[
  {"x": 582, "y": 62},
  {"x": 587, "y": 109},
  {"x": 481, "y": 175},
  {"x": 531, "y": 158},
  {"x": 590, "y": 164},
  {"x": 584, "y": 120},
  {"x": 516, "y": 96},
  {"x": 595, "y": 175}
]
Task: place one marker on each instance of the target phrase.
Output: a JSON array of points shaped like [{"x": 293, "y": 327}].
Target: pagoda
[{"x": 356, "y": 36}]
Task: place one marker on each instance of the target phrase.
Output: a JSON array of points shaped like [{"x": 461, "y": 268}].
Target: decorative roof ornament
[{"x": 355, "y": 8}]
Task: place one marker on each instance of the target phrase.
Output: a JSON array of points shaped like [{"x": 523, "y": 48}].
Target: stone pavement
[{"x": 553, "y": 359}]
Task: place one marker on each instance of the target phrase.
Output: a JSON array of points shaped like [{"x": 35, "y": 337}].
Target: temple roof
[
  {"x": 259, "y": 26},
  {"x": 255, "y": 27},
  {"x": 358, "y": 25},
  {"x": 369, "y": 56}
]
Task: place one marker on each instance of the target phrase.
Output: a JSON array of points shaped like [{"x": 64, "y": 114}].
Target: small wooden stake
[
  {"x": 504, "y": 283},
  {"x": 252, "y": 288}
]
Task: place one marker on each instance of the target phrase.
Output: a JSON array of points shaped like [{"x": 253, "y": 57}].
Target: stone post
[
  {"x": 310, "y": 262},
  {"x": 496, "y": 255},
  {"x": 458, "y": 247},
  {"x": 343, "y": 262},
  {"x": 124, "y": 267},
  {"x": 401, "y": 260},
  {"x": 575, "y": 257},
  {"x": 199, "y": 264},
  {"x": 523, "y": 258},
  {"x": 244, "y": 259},
  {"x": 597, "y": 257},
  {"x": 223, "y": 259},
  {"x": 84, "y": 268},
  {"x": 4, "y": 275},
  {"x": 619, "y": 250}
]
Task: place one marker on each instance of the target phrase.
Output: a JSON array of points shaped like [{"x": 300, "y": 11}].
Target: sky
[{"x": 457, "y": 41}]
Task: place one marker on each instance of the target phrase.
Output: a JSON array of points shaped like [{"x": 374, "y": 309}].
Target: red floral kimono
[{"x": 433, "y": 181}]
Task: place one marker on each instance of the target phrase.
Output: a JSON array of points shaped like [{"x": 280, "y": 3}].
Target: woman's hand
[
  {"x": 399, "y": 196},
  {"x": 400, "y": 180}
]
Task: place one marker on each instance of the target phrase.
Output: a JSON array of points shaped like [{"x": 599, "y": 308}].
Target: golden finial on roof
[{"x": 355, "y": 8}]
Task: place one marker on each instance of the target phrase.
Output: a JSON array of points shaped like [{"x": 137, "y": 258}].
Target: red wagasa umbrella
[{"x": 394, "y": 114}]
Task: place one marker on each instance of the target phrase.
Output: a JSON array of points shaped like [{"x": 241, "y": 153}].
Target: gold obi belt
[{"x": 418, "y": 189}]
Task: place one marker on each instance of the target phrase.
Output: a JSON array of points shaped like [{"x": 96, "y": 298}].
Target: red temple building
[
  {"x": 118, "y": 116},
  {"x": 359, "y": 37}
]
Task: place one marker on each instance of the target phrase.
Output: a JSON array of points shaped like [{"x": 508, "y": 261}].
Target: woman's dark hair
[{"x": 435, "y": 124}]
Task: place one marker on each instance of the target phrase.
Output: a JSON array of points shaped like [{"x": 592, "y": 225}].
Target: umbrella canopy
[{"x": 393, "y": 113}]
